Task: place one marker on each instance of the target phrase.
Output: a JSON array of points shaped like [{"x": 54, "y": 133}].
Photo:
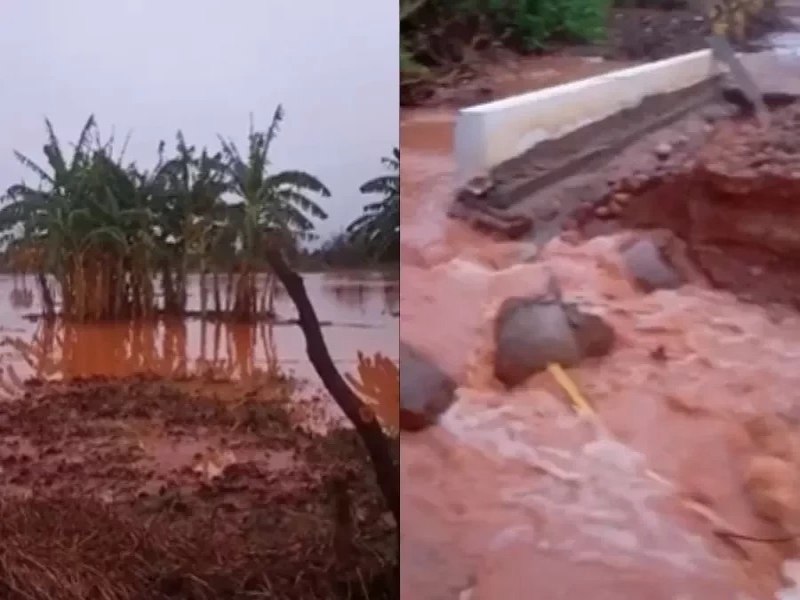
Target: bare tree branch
[{"x": 376, "y": 441}]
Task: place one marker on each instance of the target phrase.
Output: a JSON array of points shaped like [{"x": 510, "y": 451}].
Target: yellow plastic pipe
[{"x": 580, "y": 404}]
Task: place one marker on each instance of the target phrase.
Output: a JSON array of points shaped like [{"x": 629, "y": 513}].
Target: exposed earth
[{"x": 193, "y": 488}]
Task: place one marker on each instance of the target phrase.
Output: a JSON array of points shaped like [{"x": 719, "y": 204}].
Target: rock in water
[
  {"x": 529, "y": 334},
  {"x": 649, "y": 267},
  {"x": 425, "y": 390},
  {"x": 595, "y": 337},
  {"x": 663, "y": 151}
]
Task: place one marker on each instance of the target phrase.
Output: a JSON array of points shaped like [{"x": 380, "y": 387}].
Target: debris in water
[
  {"x": 425, "y": 390},
  {"x": 649, "y": 267}
]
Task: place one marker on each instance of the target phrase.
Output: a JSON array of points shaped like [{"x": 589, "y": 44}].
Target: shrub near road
[{"x": 437, "y": 34}]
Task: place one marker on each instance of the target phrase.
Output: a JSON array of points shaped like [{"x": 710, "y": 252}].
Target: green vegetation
[
  {"x": 378, "y": 229},
  {"x": 535, "y": 22},
  {"x": 439, "y": 33},
  {"x": 373, "y": 238},
  {"x": 105, "y": 237}
]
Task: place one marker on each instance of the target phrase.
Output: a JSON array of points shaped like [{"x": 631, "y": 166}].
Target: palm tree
[
  {"x": 274, "y": 208},
  {"x": 377, "y": 230}
]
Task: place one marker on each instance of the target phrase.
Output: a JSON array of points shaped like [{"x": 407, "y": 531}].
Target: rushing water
[
  {"x": 511, "y": 495},
  {"x": 359, "y": 312}
]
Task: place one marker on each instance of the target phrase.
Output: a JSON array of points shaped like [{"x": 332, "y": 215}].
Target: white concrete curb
[{"x": 489, "y": 134}]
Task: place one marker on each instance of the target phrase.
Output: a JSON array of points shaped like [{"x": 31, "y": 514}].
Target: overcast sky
[{"x": 155, "y": 66}]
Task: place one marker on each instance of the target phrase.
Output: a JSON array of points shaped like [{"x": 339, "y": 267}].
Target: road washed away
[{"x": 512, "y": 492}]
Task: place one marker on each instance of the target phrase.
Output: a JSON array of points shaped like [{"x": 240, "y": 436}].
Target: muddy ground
[
  {"x": 729, "y": 196},
  {"x": 633, "y": 35},
  {"x": 149, "y": 488},
  {"x": 652, "y": 34}
]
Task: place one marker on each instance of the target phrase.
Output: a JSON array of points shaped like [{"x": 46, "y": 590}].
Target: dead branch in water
[{"x": 376, "y": 441}]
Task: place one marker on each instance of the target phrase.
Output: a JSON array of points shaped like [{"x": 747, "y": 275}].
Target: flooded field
[
  {"x": 359, "y": 312},
  {"x": 202, "y": 451}
]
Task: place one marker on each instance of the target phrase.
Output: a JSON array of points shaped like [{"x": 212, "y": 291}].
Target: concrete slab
[
  {"x": 490, "y": 134},
  {"x": 776, "y": 73}
]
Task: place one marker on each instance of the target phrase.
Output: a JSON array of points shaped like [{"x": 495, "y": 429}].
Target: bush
[
  {"x": 534, "y": 22},
  {"x": 430, "y": 28}
]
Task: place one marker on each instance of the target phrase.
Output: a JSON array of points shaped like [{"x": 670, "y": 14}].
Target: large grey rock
[
  {"x": 425, "y": 390},
  {"x": 594, "y": 336},
  {"x": 649, "y": 267},
  {"x": 531, "y": 333}
]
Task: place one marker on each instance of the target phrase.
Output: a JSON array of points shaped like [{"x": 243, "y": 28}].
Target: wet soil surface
[
  {"x": 653, "y": 34},
  {"x": 151, "y": 488},
  {"x": 730, "y": 197}
]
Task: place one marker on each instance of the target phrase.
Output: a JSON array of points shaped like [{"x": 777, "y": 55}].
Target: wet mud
[
  {"x": 731, "y": 201},
  {"x": 683, "y": 483},
  {"x": 152, "y": 488}
]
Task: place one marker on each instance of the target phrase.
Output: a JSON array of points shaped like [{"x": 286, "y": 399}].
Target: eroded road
[{"x": 692, "y": 451}]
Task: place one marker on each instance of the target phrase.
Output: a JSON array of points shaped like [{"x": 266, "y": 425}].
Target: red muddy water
[
  {"x": 358, "y": 310},
  {"x": 511, "y": 495}
]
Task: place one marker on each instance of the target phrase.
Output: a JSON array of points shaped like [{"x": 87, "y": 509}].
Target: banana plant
[
  {"x": 103, "y": 231},
  {"x": 274, "y": 207},
  {"x": 377, "y": 230}
]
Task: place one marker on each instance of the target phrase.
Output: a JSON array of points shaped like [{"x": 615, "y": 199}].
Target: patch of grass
[{"x": 72, "y": 549}]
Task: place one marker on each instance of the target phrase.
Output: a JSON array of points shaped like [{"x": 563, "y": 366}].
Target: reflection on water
[
  {"x": 66, "y": 350},
  {"x": 21, "y": 298},
  {"x": 354, "y": 295},
  {"x": 359, "y": 310}
]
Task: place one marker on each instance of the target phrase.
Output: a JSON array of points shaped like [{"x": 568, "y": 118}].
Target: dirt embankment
[
  {"x": 732, "y": 201},
  {"x": 146, "y": 488}
]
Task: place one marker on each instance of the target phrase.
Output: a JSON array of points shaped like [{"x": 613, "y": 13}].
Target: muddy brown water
[
  {"x": 358, "y": 310},
  {"x": 511, "y": 495}
]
